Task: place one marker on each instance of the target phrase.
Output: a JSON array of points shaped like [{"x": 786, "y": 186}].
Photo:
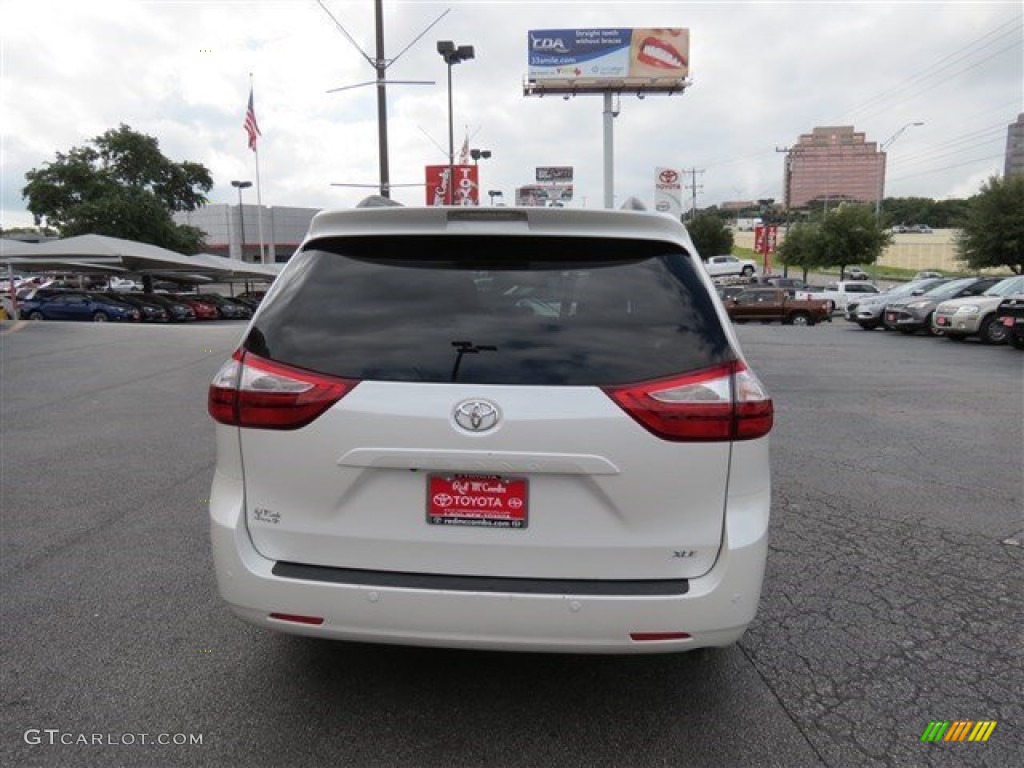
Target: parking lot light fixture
[
  {"x": 452, "y": 54},
  {"x": 881, "y": 176}
]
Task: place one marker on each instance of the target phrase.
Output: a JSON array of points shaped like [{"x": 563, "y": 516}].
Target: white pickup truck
[
  {"x": 838, "y": 295},
  {"x": 724, "y": 266}
]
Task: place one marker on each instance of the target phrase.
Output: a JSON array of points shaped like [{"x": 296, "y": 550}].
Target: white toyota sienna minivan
[{"x": 498, "y": 428}]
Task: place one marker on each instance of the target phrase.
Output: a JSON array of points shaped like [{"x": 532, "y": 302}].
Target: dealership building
[{"x": 234, "y": 230}]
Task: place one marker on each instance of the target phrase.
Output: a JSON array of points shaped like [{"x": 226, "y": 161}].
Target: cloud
[{"x": 762, "y": 74}]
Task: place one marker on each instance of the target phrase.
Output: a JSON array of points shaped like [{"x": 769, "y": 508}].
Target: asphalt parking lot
[{"x": 892, "y": 598}]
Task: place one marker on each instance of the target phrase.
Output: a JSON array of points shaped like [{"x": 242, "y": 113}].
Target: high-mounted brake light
[
  {"x": 722, "y": 403},
  {"x": 249, "y": 391}
]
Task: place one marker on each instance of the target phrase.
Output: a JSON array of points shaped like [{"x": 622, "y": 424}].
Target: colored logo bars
[{"x": 958, "y": 730}]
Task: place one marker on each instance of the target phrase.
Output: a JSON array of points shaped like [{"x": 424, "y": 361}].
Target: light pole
[
  {"x": 452, "y": 55},
  {"x": 495, "y": 193},
  {"x": 881, "y": 176},
  {"x": 240, "y": 185},
  {"x": 478, "y": 154}
]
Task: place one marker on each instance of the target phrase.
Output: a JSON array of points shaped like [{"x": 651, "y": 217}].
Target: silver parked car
[
  {"x": 867, "y": 311},
  {"x": 957, "y": 319},
  {"x": 909, "y": 315},
  {"x": 498, "y": 428}
]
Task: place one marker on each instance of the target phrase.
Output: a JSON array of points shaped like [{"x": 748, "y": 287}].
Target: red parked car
[{"x": 203, "y": 309}]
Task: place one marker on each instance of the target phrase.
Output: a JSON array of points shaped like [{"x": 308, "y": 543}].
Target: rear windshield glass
[{"x": 555, "y": 311}]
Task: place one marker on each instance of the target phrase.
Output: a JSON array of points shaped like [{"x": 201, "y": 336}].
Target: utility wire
[
  {"x": 1011, "y": 27},
  {"x": 948, "y": 167},
  {"x": 996, "y": 34},
  {"x": 972, "y": 141},
  {"x": 882, "y": 108}
]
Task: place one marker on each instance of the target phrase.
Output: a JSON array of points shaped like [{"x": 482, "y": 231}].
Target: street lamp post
[
  {"x": 478, "y": 154},
  {"x": 240, "y": 185},
  {"x": 494, "y": 193},
  {"x": 452, "y": 55},
  {"x": 881, "y": 176}
]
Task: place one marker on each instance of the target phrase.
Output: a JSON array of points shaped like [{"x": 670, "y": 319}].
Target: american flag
[{"x": 250, "y": 124}]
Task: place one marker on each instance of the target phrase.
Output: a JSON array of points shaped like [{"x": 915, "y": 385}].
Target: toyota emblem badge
[{"x": 476, "y": 415}]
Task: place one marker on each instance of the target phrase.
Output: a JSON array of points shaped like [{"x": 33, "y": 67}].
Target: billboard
[
  {"x": 466, "y": 188},
  {"x": 668, "y": 192},
  {"x": 543, "y": 195},
  {"x": 554, "y": 173},
  {"x": 581, "y": 60}
]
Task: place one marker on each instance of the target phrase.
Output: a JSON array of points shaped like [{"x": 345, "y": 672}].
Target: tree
[
  {"x": 801, "y": 247},
  {"x": 992, "y": 235},
  {"x": 32, "y": 232},
  {"x": 850, "y": 235},
  {"x": 710, "y": 235},
  {"x": 122, "y": 186}
]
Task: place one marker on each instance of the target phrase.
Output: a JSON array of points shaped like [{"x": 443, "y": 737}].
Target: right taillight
[
  {"x": 249, "y": 391},
  {"x": 726, "y": 402}
]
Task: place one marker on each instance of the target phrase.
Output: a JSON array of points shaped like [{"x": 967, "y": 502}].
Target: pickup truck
[
  {"x": 723, "y": 266},
  {"x": 838, "y": 295},
  {"x": 774, "y": 304}
]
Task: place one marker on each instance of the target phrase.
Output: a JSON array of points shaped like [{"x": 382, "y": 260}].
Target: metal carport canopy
[{"x": 97, "y": 253}]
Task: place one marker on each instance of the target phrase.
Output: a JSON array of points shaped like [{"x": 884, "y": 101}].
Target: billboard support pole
[{"x": 609, "y": 152}]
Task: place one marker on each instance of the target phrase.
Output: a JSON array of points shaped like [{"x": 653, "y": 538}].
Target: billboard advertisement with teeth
[{"x": 581, "y": 60}]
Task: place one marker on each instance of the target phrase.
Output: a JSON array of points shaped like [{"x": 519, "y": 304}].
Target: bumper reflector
[
  {"x": 639, "y": 637},
  {"x": 317, "y": 620}
]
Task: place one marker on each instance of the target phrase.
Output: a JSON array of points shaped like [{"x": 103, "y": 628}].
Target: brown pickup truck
[{"x": 775, "y": 304}]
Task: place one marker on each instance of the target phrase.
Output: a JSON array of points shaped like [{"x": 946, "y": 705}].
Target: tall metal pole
[
  {"x": 241, "y": 226},
  {"x": 451, "y": 140},
  {"x": 609, "y": 165},
  {"x": 382, "y": 103}
]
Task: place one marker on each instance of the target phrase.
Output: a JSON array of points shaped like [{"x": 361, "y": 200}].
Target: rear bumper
[{"x": 715, "y": 610}]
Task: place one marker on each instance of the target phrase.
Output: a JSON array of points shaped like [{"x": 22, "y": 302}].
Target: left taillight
[{"x": 249, "y": 391}]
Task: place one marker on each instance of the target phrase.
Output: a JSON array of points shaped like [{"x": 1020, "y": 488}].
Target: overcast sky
[{"x": 762, "y": 74}]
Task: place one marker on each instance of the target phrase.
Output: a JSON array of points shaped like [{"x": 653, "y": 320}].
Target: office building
[
  {"x": 1015, "y": 148},
  {"x": 833, "y": 164}
]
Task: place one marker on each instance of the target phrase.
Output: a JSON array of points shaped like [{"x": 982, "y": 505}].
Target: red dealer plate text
[{"x": 483, "y": 501}]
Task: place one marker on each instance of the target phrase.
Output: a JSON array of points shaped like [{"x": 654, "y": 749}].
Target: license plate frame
[{"x": 477, "y": 500}]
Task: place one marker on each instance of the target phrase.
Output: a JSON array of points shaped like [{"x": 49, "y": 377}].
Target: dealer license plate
[
  {"x": 1008, "y": 322},
  {"x": 942, "y": 321},
  {"x": 481, "y": 501}
]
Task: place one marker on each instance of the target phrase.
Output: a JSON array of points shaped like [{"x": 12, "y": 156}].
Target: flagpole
[{"x": 259, "y": 193}]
